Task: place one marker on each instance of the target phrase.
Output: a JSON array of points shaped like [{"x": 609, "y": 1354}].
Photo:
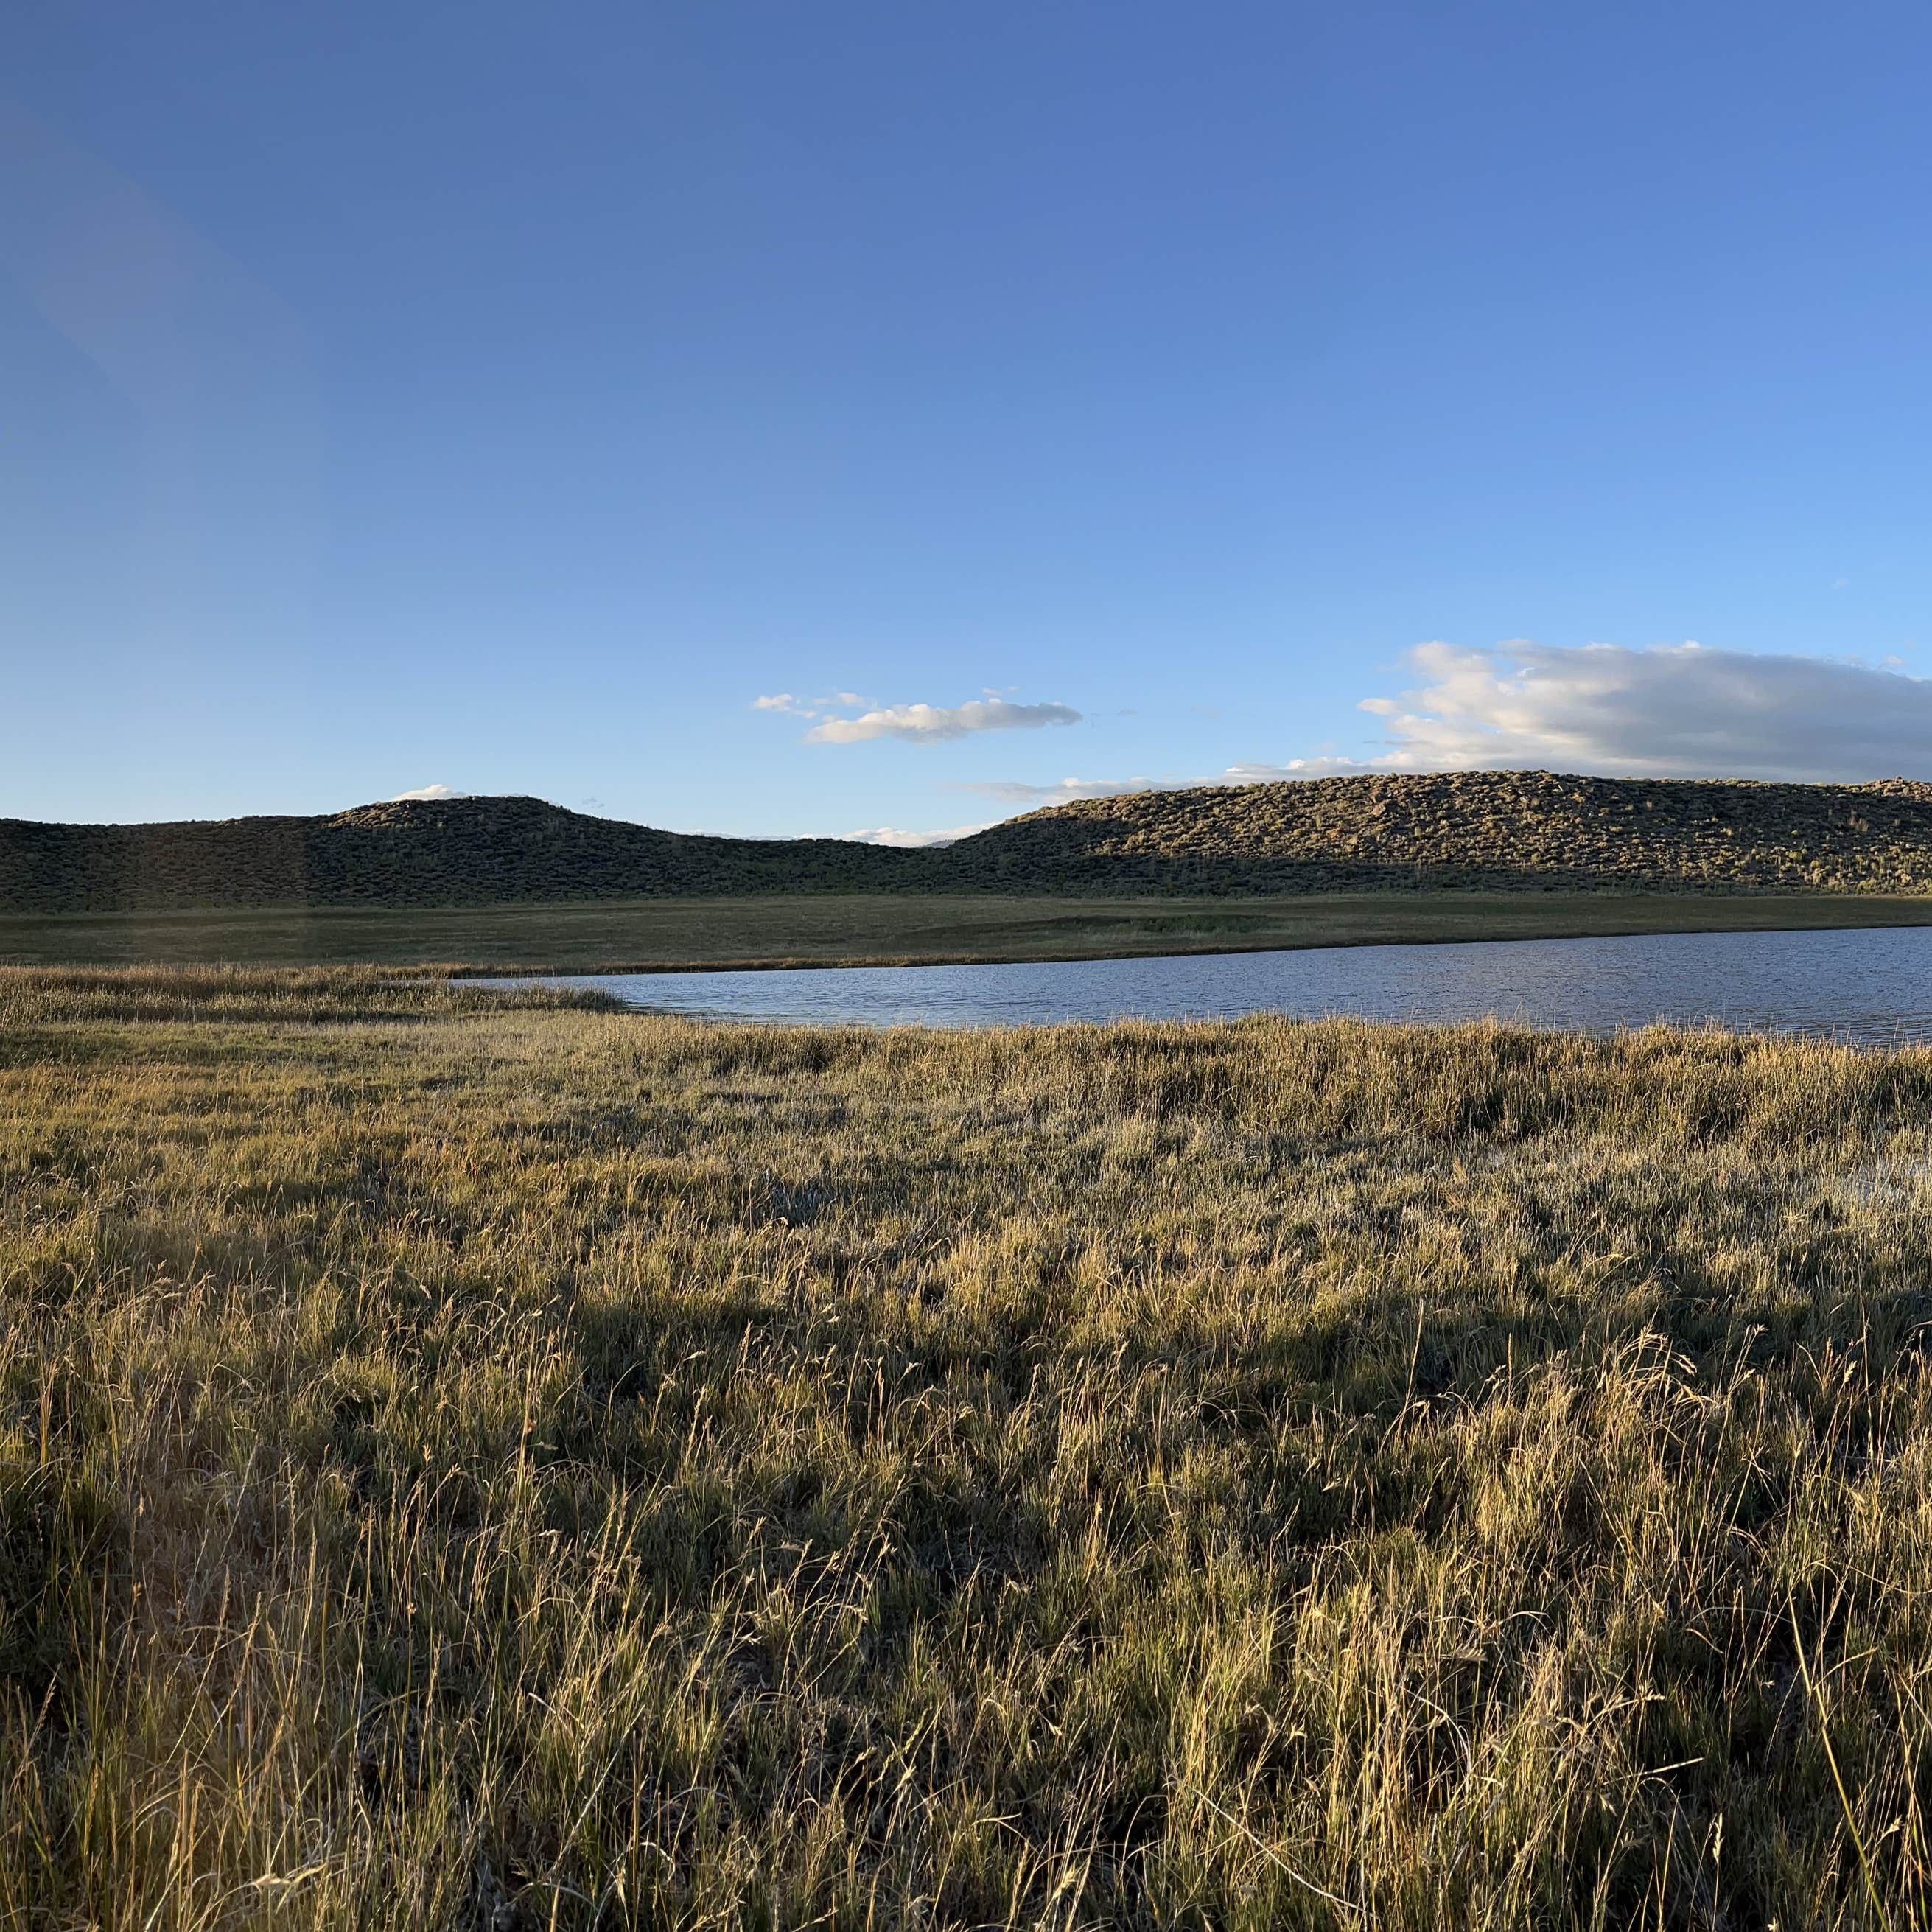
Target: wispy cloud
[
  {"x": 813, "y": 707},
  {"x": 428, "y": 793},
  {"x": 846, "y": 718},
  {"x": 928, "y": 724},
  {"x": 1010, "y": 791},
  {"x": 892, "y": 835},
  {"x": 1029, "y": 797}
]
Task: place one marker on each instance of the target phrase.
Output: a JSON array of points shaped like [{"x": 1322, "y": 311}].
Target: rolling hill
[
  {"x": 1490, "y": 831},
  {"x": 453, "y": 852}
]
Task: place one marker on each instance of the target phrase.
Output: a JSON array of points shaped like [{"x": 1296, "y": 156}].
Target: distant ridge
[
  {"x": 417, "y": 852},
  {"x": 1507, "y": 831}
]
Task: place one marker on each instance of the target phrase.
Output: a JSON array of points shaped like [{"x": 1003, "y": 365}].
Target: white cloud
[
  {"x": 428, "y": 793},
  {"x": 782, "y": 700},
  {"x": 928, "y": 724},
  {"x": 891, "y": 835},
  {"x": 1675, "y": 711},
  {"x": 1678, "y": 711}
]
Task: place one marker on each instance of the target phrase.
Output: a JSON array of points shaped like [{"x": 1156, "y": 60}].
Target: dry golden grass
[{"x": 474, "y": 1464}]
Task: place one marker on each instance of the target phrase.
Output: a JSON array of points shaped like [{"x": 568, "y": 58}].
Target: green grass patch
[{"x": 834, "y": 928}]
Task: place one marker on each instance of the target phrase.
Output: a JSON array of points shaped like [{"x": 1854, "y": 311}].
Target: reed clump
[{"x": 474, "y": 1462}]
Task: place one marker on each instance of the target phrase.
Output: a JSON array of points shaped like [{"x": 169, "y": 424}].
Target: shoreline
[
  {"x": 652, "y": 968},
  {"x": 822, "y": 931}
]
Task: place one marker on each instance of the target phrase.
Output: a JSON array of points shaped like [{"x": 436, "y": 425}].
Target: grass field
[
  {"x": 465, "y": 1463},
  {"x": 833, "y": 928}
]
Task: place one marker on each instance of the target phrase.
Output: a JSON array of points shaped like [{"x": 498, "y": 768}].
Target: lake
[{"x": 1871, "y": 987}]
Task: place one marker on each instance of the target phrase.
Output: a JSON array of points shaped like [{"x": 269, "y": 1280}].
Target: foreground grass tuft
[{"x": 468, "y": 1463}]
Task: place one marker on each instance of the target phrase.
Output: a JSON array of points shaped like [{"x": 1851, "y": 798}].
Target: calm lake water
[{"x": 1872, "y": 988}]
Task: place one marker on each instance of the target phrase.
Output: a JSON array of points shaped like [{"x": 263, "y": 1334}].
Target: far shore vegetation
[
  {"x": 829, "y": 929},
  {"x": 484, "y": 1461}
]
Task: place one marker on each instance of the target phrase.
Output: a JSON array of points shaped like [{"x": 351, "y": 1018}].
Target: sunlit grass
[{"x": 464, "y": 1463}]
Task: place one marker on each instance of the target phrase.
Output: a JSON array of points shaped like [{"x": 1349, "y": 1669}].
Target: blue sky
[{"x": 508, "y": 397}]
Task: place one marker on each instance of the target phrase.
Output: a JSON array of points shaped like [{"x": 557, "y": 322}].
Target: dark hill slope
[
  {"x": 475, "y": 851},
  {"x": 1497, "y": 830}
]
